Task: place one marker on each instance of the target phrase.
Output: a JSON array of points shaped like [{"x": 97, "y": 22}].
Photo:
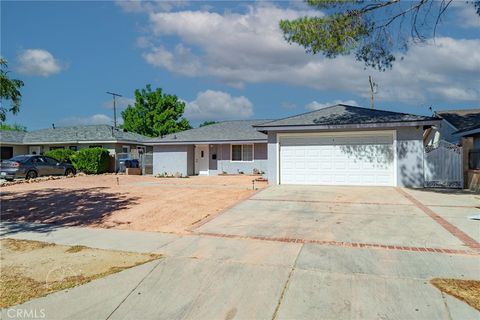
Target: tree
[
  {"x": 373, "y": 30},
  {"x": 207, "y": 123},
  {"x": 155, "y": 113},
  {"x": 12, "y": 127},
  {"x": 9, "y": 90}
]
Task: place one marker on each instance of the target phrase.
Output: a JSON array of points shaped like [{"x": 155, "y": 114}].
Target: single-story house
[
  {"x": 455, "y": 125},
  {"x": 74, "y": 137},
  {"x": 226, "y": 147},
  {"x": 338, "y": 145}
]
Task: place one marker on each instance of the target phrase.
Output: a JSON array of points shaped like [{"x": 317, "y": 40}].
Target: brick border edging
[
  {"x": 341, "y": 244},
  {"x": 453, "y": 230},
  {"x": 209, "y": 218}
]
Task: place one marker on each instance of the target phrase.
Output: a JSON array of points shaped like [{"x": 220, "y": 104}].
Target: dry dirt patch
[
  {"x": 125, "y": 202},
  {"x": 31, "y": 269},
  {"x": 465, "y": 290}
]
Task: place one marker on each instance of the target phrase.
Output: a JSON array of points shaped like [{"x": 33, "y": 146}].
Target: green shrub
[
  {"x": 63, "y": 155},
  {"x": 92, "y": 160}
]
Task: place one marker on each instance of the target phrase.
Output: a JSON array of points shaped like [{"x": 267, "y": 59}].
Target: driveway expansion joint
[
  {"x": 333, "y": 202},
  {"x": 285, "y": 287},
  {"x": 160, "y": 260}
]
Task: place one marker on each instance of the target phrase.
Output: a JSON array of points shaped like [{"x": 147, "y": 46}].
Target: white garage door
[{"x": 342, "y": 159}]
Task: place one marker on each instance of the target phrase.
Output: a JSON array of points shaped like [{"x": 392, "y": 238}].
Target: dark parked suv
[{"x": 32, "y": 166}]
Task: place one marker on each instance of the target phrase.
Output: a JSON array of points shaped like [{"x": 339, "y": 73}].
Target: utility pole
[
  {"x": 114, "y": 108},
  {"x": 373, "y": 91}
]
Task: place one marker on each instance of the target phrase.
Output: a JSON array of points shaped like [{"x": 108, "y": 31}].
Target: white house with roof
[
  {"x": 339, "y": 145},
  {"x": 73, "y": 137}
]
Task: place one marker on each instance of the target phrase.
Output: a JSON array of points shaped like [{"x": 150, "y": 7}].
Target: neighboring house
[
  {"x": 74, "y": 137},
  {"x": 11, "y": 144},
  {"x": 462, "y": 127},
  {"x": 339, "y": 145},
  {"x": 226, "y": 147},
  {"x": 457, "y": 124}
]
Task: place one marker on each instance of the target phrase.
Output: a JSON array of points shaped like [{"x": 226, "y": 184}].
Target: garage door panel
[{"x": 348, "y": 160}]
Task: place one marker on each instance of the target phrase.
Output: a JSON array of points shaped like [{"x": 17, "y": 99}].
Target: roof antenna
[
  {"x": 114, "y": 108},
  {"x": 373, "y": 91},
  {"x": 53, "y": 125}
]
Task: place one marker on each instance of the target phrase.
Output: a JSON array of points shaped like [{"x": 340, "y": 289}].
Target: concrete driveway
[
  {"x": 355, "y": 216},
  {"x": 290, "y": 252}
]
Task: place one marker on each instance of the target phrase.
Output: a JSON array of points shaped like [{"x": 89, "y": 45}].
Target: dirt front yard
[
  {"x": 31, "y": 269},
  {"x": 141, "y": 203}
]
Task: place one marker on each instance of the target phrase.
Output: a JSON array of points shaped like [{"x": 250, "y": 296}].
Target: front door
[{"x": 201, "y": 159}]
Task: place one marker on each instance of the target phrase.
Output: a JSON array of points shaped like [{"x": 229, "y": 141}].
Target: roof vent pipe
[{"x": 53, "y": 125}]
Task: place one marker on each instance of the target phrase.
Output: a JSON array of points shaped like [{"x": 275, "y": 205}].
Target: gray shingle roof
[
  {"x": 341, "y": 114},
  {"x": 463, "y": 120},
  {"x": 77, "y": 133},
  {"x": 8, "y": 136},
  {"x": 239, "y": 130}
]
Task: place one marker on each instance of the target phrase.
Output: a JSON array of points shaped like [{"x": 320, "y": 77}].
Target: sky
[{"x": 226, "y": 60}]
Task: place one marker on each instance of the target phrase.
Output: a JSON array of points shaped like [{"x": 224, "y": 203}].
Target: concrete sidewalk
[{"x": 220, "y": 278}]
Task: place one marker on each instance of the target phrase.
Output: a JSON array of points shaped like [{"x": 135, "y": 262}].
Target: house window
[
  {"x": 125, "y": 149},
  {"x": 95, "y": 146},
  {"x": 242, "y": 152},
  {"x": 56, "y": 148},
  {"x": 141, "y": 149},
  {"x": 74, "y": 148}
]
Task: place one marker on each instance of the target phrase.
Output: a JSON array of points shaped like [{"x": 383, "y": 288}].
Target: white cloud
[
  {"x": 218, "y": 105},
  {"x": 94, "y": 119},
  {"x": 314, "y": 105},
  {"x": 38, "y": 62},
  {"x": 120, "y": 103},
  {"x": 467, "y": 15},
  {"x": 240, "y": 48},
  {"x": 432, "y": 71},
  {"x": 139, "y": 6}
]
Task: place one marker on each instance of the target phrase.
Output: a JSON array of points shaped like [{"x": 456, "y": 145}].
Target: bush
[
  {"x": 62, "y": 155},
  {"x": 92, "y": 160}
]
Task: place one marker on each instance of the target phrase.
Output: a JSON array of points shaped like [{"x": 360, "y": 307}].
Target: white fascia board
[{"x": 348, "y": 126}]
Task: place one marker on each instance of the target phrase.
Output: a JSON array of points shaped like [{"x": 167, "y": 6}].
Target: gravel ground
[{"x": 141, "y": 203}]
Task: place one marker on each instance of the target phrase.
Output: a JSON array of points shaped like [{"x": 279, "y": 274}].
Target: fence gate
[
  {"x": 145, "y": 161},
  {"x": 443, "y": 165}
]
